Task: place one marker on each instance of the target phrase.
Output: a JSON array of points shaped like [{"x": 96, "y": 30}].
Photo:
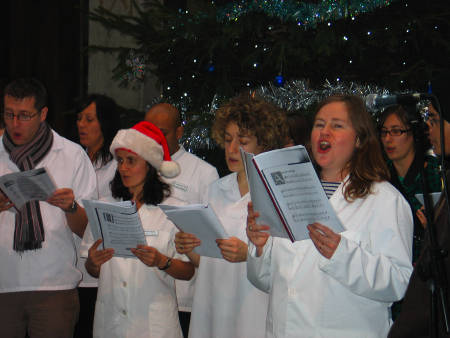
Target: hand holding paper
[
  {"x": 201, "y": 221},
  {"x": 118, "y": 224},
  {"x": 147, "y": 255},
  {"x": 62, "y": 198},
  {"x": 185, "y": 243},
  {"x": 256, "y": 233},
  {"x": 96, "y": 258},
  {"x": 325, "y": 240},
  {"x": 287, "y": 192},
  {"x": 233, "y": 249},
  {"x": 24, "y": 186}
]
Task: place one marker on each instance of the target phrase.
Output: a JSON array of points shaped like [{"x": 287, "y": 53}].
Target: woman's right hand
[
  {"x": 256, "y": 233},
  {"x": 185, "y": 243},
  {"x": 97, "y": 257}
]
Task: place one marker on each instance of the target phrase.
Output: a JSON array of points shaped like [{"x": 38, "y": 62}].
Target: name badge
[
  {"x": 180, "y": 186},
  {"x": 151, "y": 233}
]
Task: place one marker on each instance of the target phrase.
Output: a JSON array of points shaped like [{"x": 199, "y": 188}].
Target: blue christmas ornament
[{"x": 279, "y": 80}]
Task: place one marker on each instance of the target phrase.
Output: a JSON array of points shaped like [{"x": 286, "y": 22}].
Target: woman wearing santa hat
[{"x": 136, "y": 297}]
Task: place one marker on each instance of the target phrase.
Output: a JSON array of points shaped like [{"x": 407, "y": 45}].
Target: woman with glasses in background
[{"x": 397, "y": 135}]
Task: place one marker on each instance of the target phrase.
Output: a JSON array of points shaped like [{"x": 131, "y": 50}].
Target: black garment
[
  {"x": 185, "y": 320},
  {"x": 85, "y": 325},
  {"x": 414, "y": 319}
]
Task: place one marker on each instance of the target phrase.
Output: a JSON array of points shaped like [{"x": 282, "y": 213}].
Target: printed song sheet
[
  {"x": 435, "y": 196},
  {"x": 261, "y": 200},
  {"x": 24, "y": 186},
  {"x": 292, "y": 186},
  {"x": 118, "y": 224},
  {"x": 200, "y": 220}
]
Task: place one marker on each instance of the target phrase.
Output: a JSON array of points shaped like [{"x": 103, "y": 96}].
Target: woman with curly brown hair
[
  {"x": 339, "y": 285},
  {"x": 225, "y": 303}
]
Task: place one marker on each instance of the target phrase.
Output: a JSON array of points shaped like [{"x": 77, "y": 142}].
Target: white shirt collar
[{"x": 178, "y": 153}]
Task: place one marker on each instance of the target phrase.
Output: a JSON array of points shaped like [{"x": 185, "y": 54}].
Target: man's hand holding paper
[{"x": 62, "y": 198}]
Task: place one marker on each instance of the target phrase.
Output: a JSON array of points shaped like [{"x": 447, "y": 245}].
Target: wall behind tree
[
  {"x": 43, "y": 39},
  {"x": 101, "y": 64}
]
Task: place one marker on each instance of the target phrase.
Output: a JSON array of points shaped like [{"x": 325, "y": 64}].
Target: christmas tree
[{"x": 215, "y": 49}]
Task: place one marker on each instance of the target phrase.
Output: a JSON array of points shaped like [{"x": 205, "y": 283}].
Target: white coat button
[
  {"x": 291, "y": 292},
  {"x": 124, "y": 284}
]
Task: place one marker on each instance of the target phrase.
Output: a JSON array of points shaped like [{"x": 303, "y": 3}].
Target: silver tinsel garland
[{"x": 295, "y": 96}]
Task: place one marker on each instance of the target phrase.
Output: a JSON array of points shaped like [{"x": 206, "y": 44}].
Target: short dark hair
[
  {"x": 109, "y": 120},
  {"x": 28, "y": 87},
  {"x": 403, "y": 115},
  {"x": 154, "y": 191}
]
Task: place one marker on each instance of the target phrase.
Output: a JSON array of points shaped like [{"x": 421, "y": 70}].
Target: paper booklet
[
  {"x": 287, "y": 192},
  {"x": 30, "y": 185},
  {"x": 200, "y": 220},
  {"x": 117, "y": 223},
  {"x": 435, "y": 196}
]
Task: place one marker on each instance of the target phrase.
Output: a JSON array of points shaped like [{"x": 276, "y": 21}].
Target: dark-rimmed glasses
[
  {"x": 393, "y": 132},
  {"x": 25, "y": 116}
]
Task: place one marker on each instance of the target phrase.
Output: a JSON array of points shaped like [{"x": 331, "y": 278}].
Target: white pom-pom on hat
[{"x": 148, "y": 141}]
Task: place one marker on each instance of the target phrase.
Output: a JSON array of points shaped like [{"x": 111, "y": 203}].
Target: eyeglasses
[
  {"x": 393, "y": 132},
  {"x": 432, "y": 118},
  {"x": 25, "y": 116}
]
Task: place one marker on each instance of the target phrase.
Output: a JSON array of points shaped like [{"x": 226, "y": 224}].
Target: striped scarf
[{"x": 29, "y": 229}]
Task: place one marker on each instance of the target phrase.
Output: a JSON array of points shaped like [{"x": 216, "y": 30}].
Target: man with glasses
[{"x": 38, "y": 275}]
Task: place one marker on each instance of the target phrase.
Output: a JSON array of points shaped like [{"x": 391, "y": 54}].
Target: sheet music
[
  {"x": 200, "y": 220},
  {"x": 435, "y": 196},
  {"x": 118, "y": 224},
  {"x": 261, "y": 200},
  {"x": 295, "y": 189},
  {"x": 30, "y": 185}
]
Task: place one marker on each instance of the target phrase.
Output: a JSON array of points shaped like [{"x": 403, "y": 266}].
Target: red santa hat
[{"x": 147, "y": 140}]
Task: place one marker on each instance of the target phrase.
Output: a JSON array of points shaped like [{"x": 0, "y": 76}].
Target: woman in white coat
[
  {"x": 97, "y": 123},
  {"x": 136, "y": 297},
  {"x": 225, "y": 304},
  {"x": 339, "y": 285}
]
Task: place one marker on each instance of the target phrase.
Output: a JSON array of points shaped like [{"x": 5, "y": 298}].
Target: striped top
[{"x": 330, "y": 187}]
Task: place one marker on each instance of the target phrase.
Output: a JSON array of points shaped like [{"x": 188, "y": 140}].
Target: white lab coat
[
  {"x": 189, "y": 187},
  {"x": 104, "y": 174},
  {"x": 350, "y": 294},
  {"x": 53, "y": 267},
  {"x": 225, "y": 303},
  {"x": 135, "y": 300}
]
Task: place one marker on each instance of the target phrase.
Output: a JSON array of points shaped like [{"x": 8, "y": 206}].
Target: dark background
[{"x": 46, "y": 40}]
